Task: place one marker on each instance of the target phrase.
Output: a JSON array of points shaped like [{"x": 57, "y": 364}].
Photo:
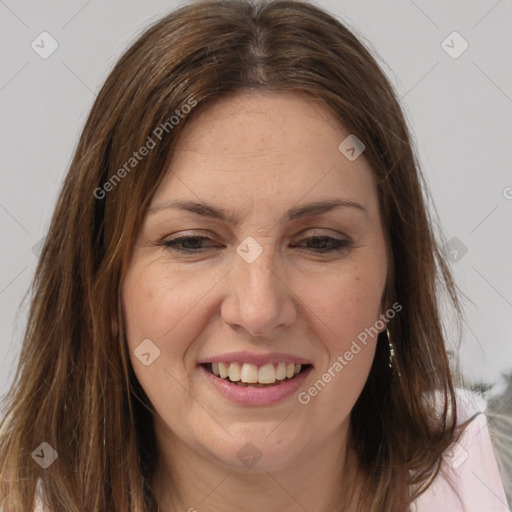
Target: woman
[{"x": 236, "y": 306}]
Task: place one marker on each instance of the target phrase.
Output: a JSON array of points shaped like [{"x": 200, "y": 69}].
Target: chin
[{"x": 255, "y": 449}]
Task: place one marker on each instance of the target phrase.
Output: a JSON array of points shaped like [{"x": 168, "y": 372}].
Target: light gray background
[{"x": 459, "y": 111}]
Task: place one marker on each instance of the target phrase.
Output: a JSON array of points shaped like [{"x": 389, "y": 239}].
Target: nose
[{"x": 259, "y": 299}]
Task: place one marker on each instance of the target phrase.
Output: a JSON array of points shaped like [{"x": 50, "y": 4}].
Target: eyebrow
[{"x": 295, "y": 213}]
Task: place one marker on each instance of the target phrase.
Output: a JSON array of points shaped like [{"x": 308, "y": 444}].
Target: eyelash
[{"x": 338, "y": 245}]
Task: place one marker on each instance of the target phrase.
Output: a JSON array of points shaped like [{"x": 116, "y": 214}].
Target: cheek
[
  {"x": 346, "y": 305},
  {"x": 166, "y": 307},
  {"x": 346, "y": 312},
  {"x": 150, "y": 303},
  {"x": 159, "y": 306},
  {"x": 353, "y": 336}
]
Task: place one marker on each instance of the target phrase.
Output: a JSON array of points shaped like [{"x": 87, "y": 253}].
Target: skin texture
[{"x": 256, "y": 156}]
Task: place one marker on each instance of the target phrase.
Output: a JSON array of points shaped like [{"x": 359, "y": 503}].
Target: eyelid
[{"x": 185, "y": 234}]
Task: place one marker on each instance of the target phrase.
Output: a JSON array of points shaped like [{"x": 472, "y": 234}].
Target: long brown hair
[{"x": 75, "y": 388}]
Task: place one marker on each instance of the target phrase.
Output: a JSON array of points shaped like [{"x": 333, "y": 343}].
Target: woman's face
[{"x": 267, "y": 282}]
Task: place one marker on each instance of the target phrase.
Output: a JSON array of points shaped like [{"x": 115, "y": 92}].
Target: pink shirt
[{"x": 469, "y": 479}]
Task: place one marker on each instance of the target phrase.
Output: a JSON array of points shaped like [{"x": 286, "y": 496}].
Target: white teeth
[
  {"x": 223, "y": 370},
  {"x": 234, "y": 372},
  {"x": 250, "y": 373},
  {"x": 267, "y": 374},
  {"x": 281, "y": 371}
]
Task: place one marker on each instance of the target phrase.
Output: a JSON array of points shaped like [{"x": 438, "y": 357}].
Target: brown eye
[
  {"x": 188, "y": 244},
  {"x": 322, "y": 244}
]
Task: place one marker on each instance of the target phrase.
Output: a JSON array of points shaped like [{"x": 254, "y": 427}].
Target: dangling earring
[{"x": 391, "y": 352}]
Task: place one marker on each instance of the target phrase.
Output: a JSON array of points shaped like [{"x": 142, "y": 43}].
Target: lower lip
[{"x": 256, "y": 396}]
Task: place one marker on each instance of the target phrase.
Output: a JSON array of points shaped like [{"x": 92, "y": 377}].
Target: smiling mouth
[{"x": 251, "y": 375}]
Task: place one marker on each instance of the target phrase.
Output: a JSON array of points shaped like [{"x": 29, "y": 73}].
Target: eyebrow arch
[{"x": 295, "y": 213}]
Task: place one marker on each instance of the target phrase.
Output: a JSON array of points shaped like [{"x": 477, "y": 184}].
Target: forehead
[{"x": 254, "y": 148}]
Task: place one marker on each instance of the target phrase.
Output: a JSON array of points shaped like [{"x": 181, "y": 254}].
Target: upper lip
[{"x": 257, "y": 359}]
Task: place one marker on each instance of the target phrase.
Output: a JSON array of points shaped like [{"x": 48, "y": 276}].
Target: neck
[{"x": 323, "y": 478}]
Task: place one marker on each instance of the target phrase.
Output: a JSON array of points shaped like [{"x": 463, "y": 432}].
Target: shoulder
[{"x": 469, "y": 479}]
